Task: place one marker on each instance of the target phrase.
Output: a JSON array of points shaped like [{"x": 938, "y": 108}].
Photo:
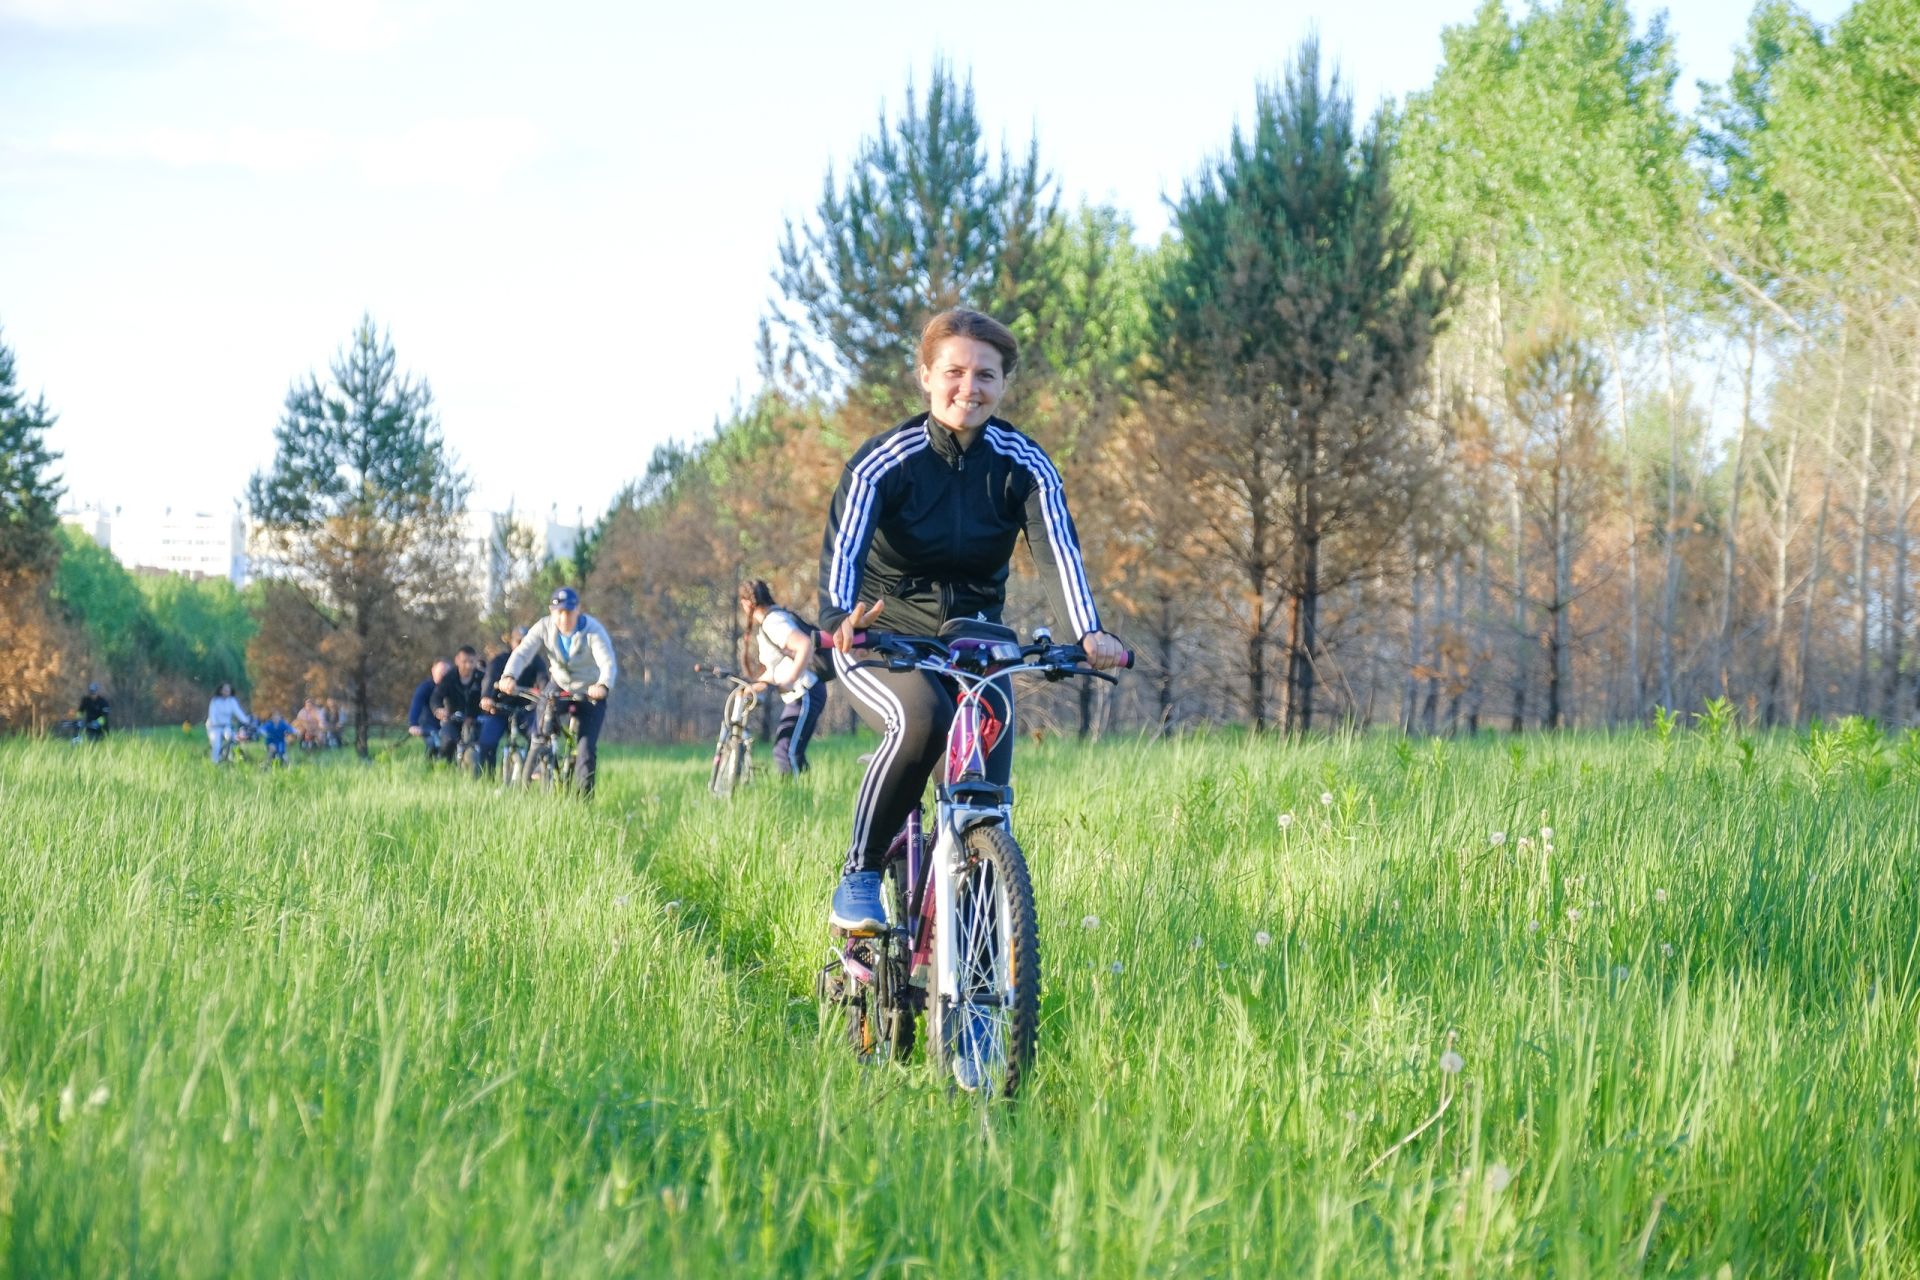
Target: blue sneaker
[{"x": 857, "y": 907}]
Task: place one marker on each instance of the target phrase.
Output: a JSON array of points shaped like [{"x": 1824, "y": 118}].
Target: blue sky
[{"x": 565, "y": 215}]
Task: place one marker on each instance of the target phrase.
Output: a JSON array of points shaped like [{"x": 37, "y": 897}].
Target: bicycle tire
[
  {"x": 513, "y": 768},
  {"x": 728, "y": 765},
  {"x": 998, "y": 955}
]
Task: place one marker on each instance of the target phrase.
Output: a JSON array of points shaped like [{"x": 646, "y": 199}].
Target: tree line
[{"x": 1530, "y": 401}]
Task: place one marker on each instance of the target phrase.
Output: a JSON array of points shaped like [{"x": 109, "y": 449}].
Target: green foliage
[
  {"x": 97, "y": 592},
  {"x": 204, "y": 628},
  {"x": 162, "y": 639},
  {"x": 29, "y": 489},
  {"x": 349, "y": 1024}
]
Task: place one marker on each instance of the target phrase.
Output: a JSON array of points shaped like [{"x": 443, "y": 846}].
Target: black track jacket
[{"x": 930, "y": 530}]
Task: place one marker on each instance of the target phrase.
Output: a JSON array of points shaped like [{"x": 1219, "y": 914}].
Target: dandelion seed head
[
  {"x": 1326, "y": 797},
  {"x": 621, "y": 900},
  {"x": 1573, "y": 915},
  {"x": 1666, "y": 949},
  {"x": 1523, "y": 843},
  {"x": 1619, "y": 973},
  {"x": 1196, "y": 943},
  {"x": 1533, "y": 926},
  {"x": 1089, "y": 922},
  {"x": 1496, "y": 837},
  {"x": 1546, "y": 833},
  {"x": 1286, "y": 820},
  {"x": 1659, "y": 895},
  {"x": 98, "y": 1098},
  {"x": 1499, "y": 1178},
  {"x": 1452, "y": 1063},
  {"x": 1262, "y": 939}
]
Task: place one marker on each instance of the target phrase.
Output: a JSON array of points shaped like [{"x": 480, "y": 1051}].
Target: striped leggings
[{"x": 911, "y": 710}]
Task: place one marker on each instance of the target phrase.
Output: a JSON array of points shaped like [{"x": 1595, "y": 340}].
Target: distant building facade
[
  {"x": 509, "y": 546},
  {"x": 197, "y": 544}
]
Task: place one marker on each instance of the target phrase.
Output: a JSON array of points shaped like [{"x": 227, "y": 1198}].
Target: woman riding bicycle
[
  {"x": 785, "y": 651},
  {"x": 921, "y": 533}
]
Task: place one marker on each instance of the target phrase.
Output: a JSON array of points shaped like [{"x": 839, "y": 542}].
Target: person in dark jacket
[
  {"x": 493, "y": 715},
  {"x": 921, "y": 532},
  {"x": 456, "y": 700},
  {"x": 420, "y": 721},
  {"x": 94, "y": 710}
]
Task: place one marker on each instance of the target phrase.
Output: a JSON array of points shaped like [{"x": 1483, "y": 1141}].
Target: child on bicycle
[{"x": 922, "y": 530}]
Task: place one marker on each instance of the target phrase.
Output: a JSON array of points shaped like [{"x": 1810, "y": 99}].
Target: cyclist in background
[
  {"x": 420, "y": 721},
  {"x": 580, "y": 661},
  {"x": 225, "y": 717},
  {"x": 93, "y": 711},
  {"x": 785, "y": 643},
  {"x": 274, "y": 729},
  {"x": 494, "y": 717},
  {"x": 456, "y": 699}
]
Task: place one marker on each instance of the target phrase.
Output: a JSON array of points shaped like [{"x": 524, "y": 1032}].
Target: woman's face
[{"x": 963, "y": 384}]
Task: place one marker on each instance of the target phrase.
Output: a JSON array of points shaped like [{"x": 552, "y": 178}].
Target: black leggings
[{"x": 911, "y": 710}]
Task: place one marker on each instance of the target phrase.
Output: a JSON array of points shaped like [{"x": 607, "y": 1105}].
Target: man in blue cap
[{"x": 580, "y": 663}]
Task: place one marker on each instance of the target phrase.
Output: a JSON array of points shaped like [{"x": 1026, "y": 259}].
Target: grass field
[{"x": 1306, "y": 1013}]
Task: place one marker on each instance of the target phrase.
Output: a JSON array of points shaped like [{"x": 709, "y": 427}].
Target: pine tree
[
  {"x": 29, "y": 489},
  {"x": 1295, "y": 311},
  {"x": 359, "y": 513},
  {"x": 925, "y": 221}
]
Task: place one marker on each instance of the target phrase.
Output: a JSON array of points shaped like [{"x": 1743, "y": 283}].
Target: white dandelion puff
[
  {"x": 1089, "y": 922},
  {"x": 1499, "y": 1178},
  {"x": 1262, "y": 939},
  {"x": 1496, "y": 837},
  {"x": 1286, "y": 820},
  {"x": 98, "y": 1098},
  {"x": 1573, "y": 915},
  {"x": 1619, "y": 973},
  {"x": 1452, "y": 1063},
  {"x": 1666, "y": 949},
  {"x": 1523, "y": 843},
  {"x": 621, "y": 900},
  {"x": 1326, "y": 797},
  {"x": 1196, "y": 943},
  {"x": 1660, "y": 895},
  {"x": 1546, "y": 833},
  {"x": 1533, "y": 926}
]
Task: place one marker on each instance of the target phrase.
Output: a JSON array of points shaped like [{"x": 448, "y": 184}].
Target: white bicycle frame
[{"x": 956, "y": 814}]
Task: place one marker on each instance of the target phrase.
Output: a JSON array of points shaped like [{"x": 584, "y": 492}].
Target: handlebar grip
[{"x": 1128, "y": 664}]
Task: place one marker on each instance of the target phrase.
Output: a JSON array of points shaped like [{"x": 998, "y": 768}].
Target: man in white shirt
[{"x": 580, "y": 665}]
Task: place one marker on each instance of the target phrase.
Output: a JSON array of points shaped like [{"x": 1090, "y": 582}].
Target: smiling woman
[{"x": 921, "y": 531}]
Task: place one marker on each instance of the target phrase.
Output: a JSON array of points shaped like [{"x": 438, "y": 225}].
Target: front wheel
[
  {"x": 513, "y": 767},
  {"x": 988, "y": 1023},
  {"x": 729, "y": 765}
]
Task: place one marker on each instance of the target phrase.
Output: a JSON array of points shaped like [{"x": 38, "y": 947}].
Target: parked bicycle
[
  {"x": 962, "y": 943},
  {"x": 733, "y": 754}
]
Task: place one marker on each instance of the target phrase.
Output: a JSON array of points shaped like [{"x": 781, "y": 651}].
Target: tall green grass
[{"x": 357, "y": 1020}]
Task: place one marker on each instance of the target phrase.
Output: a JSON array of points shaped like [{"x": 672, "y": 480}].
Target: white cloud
[
  {"x": 248, "y": 148},
  {"x": 469, "y": 153}
]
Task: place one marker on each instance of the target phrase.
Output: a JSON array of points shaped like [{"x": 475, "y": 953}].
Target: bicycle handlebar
[
  {"x": 707, "y": 670},
  {"x": 904, "y": 652}
]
